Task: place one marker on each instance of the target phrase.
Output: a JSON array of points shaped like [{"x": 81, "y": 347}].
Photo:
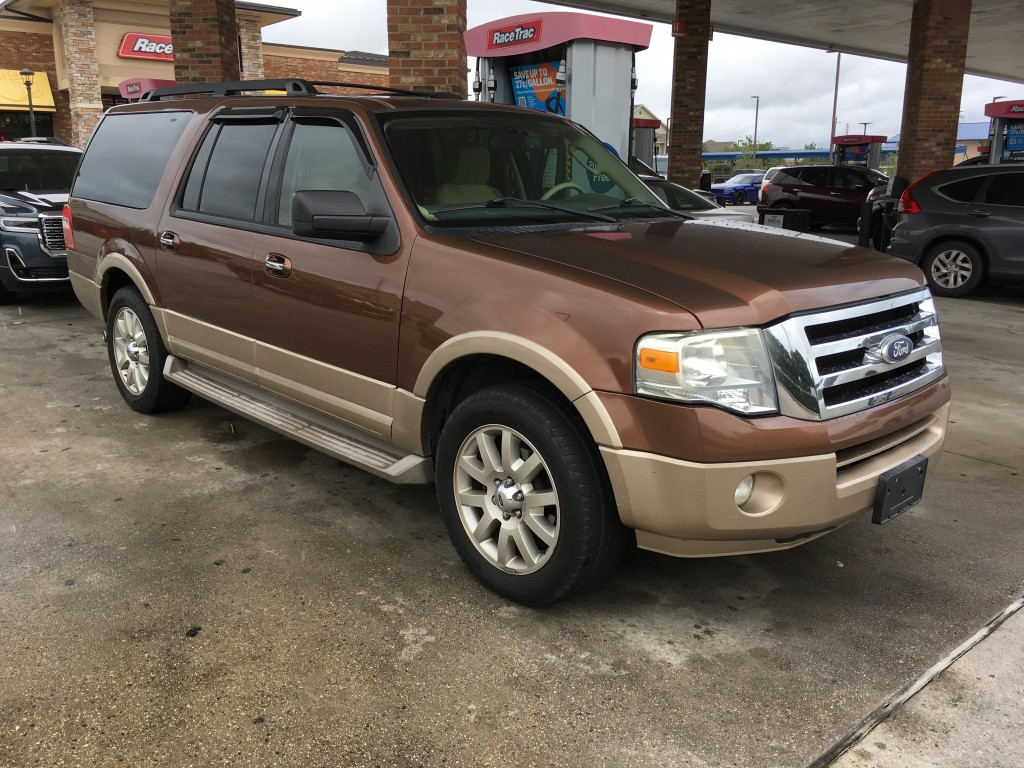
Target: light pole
[
  {"x": 997, "y": 98},
  {"x": 757, "y": 109},
  {"x": 835, "y": 100},
  {"x": 865, "y": 128},
  {"x": 27, "y": 75}
]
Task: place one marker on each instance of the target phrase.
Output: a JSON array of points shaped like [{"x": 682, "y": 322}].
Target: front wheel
[
  {"x": 524, "y": 495},
  {"x": 137, "y": 355},
  {"x": 953, "y": 268},
  {"x": 740, "y": 197}
]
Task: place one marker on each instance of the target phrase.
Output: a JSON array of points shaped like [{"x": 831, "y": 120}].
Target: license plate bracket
[{"x": 899, "y": 489}]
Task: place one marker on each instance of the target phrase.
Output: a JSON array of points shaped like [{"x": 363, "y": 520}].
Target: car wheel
[
  {"x": 879, "y": 234},
  {"x": 524, "y": 495},
  {"x": 137, "y": 355},
  {"x": 7, "y": 296},
  {"x": 740, "y": 197},
  {"x": 954, "y": 268}
]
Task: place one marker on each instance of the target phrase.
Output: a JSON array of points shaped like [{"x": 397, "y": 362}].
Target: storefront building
[{"x": 87, "y": 55}]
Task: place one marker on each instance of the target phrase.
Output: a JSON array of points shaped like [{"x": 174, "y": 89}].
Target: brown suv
[
  {"x": 484, "y": 296},
  {"x": 832, "y": 193}
]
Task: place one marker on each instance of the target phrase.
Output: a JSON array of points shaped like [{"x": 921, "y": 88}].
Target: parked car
[
  {"x": 963, "y": 226},
  {"x": 34, "y": 183},
  {"x": 741, "y": 188},
  {"x": 832, "y": 193},
  {"x": 690, "y": 202},
  {"x": 485, "y": 297}
]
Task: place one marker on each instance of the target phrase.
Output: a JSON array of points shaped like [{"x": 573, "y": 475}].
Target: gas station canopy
[{"x": 875, "y": 28}]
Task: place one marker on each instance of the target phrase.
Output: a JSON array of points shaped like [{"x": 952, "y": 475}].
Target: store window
[{"x": 18, "y": 125}]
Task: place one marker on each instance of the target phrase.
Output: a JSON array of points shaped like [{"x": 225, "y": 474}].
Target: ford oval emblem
[{"x": 895, "y": 348}]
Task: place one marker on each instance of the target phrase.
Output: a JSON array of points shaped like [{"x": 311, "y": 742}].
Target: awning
[{"x": 14, "y": 97}]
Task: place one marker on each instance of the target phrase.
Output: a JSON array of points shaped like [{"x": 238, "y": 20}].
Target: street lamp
[
  {"x": 997, "y": 98},
  {"x": 865, "y": 133},
  {"x": 26, "y": 76},
  {"x": 757, "y": 109}
]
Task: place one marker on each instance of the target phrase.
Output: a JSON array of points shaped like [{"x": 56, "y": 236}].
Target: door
[
  {"x": 326, "y": 312},
  {"x": 998, "y": 222},
  {"x": 812, "y": 193},
  {"x": 206, "y": 241}
]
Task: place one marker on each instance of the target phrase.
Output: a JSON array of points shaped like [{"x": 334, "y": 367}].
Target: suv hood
[
  {"x": 40, "y": 201},
  {"x": 725, "y": 273}
]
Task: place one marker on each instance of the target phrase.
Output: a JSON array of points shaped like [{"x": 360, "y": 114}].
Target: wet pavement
[{"x": 191, "y": 589}]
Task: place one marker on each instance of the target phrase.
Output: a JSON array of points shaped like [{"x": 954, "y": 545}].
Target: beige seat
[{"x": 468, "y": 182}]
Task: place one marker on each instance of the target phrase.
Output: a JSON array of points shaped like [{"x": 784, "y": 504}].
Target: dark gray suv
[
  {"x": 963, "y": 226},
  {"x": 34, "y": 184}
]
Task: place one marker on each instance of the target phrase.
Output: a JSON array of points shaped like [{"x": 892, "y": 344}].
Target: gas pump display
[
  {"x": 853, "y": 154},
  {"x": 535, "y": 86}
]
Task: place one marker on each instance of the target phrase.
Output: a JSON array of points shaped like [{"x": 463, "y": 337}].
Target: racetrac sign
[
  {"x": 514, "y": 34},
  {"x": 141, "y": 45}
]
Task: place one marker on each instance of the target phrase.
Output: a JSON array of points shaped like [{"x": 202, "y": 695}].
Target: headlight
[
  {"x": 729, "y": 368},
  {"x": 19, "y": 223}
]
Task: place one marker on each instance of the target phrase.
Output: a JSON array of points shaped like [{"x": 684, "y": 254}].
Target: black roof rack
[{"x": 291, "y": 86}]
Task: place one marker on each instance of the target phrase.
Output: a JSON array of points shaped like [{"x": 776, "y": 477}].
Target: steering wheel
[{"x": 559, "y": 187}]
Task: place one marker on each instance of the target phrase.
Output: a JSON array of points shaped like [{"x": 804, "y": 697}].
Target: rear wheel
[
  {"x": 524, "y": 495},
  {"x": 137, "y": 355},
  {"x": 954, "y": 268}
]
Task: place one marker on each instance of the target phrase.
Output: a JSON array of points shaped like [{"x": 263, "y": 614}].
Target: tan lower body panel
[{"x": 688, "y": 509}]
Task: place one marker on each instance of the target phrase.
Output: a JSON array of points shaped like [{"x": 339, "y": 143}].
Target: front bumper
[
  {"x": 688, "y": 509},
  {"x": 26, "y": 268}
]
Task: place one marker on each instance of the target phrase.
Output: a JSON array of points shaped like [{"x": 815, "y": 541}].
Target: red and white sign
[
  {"x": 142, "y": 45},
  {"x": 523, "y": 33}
]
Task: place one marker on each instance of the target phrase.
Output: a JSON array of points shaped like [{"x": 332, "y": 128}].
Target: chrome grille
[
  {"x": 831, "y": 363},
  {"x": 53, "y": 232}
]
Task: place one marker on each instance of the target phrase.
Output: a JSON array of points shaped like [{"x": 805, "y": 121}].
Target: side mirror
[{"x": 337, "y": 215}]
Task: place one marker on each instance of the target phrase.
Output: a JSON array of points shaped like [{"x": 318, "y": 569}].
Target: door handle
[
  {"x": 169, "y": 241},
  {"x": 835, "y": 194},
  {"x": 277, "y": 265},
  {"x": 979, "y": 214}
]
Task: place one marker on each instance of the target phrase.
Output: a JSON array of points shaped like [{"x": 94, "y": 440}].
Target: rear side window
[
  {"x": 789, "y": 178},
  {"x": 816, "y": 177},
  {"x": 126, "y": 158},
  {"x": 962, "y": 191},
  {"x": 1006, "y": 189},
  {"x": 225, "y": 176}
]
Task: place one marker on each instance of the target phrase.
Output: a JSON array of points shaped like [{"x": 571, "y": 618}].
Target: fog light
[{"x": 744, "y": 489}]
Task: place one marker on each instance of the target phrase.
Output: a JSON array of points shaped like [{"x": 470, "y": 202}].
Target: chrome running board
[{"x": 302, "y": 424}]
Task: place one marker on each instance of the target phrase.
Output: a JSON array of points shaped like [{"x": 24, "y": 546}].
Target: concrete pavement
[{"x": 191, "y": 590}]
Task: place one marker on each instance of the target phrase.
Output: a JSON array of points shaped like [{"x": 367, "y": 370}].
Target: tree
[{"x": 746, "y": 149}]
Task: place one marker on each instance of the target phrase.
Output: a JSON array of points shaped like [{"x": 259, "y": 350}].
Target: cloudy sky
[{"x": 796, "y": 99}]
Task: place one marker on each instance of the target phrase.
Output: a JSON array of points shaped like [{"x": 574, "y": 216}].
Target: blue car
[{"x": 741, "y": 188}]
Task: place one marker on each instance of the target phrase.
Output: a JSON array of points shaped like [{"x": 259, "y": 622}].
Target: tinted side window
[
  {"x": 789, "y": 178},
  {"x": 963, "y": 191},
  {"x": 816, "y": 177},
  {"x": 322, "y": 155},
  {"x": 225, "y": 176},
  {"x": 1006, "y": 189},
  {"x": 127, "y": 157}
]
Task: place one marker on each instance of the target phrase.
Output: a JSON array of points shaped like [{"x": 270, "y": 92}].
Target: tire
[
  {"x": 503, "y": 447},
  {"x": 137, "y": 355},
  {"x": 954, "y": 268},
  {"x": 739, "y": 198},
  {"x": 879, "y": 234}
]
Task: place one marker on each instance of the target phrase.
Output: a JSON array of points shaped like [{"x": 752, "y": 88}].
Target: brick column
[
  {"x": 77, "y": 30},
  {"x": 205, "y": 36},
  {"x": 427, "y": 45},
  {"x": 689, "y": 83},
  {"x": 251, "y": 36},
  {"x": 935, "y": 76}
]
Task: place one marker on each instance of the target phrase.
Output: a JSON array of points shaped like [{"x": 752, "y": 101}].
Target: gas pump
[
  {"x": 1006, "y": 132},
  {"x": 571, "y": 64},
  {"x": 861, "y": 151}
]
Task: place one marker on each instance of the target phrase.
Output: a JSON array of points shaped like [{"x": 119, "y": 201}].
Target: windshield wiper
[
  {"x": 504, "y": 202},
  {"x": 632, "y": 202}
]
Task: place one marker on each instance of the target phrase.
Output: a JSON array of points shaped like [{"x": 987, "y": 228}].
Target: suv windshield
[
  {"x": 453, "y": 163},
  {"x": 37, "y": 171}
]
